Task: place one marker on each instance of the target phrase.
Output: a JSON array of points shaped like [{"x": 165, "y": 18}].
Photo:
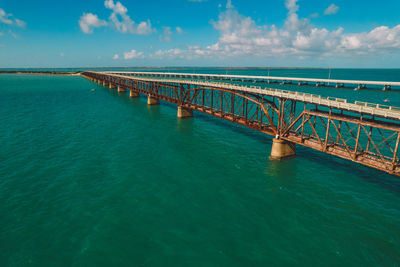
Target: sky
[{"x": 230, "y": 33}]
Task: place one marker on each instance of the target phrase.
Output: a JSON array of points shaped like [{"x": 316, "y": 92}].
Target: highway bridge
[
  {"x": 365, "y": 133},
  {"x": 356, "y": 84}
]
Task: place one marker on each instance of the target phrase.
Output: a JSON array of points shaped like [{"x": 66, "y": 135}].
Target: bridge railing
[{"x": 366, "y": 104}]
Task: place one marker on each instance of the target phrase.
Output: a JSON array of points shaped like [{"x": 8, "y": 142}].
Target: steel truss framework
[{"x": 367, "y": 140}]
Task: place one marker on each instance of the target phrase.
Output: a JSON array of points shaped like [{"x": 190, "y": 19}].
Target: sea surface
[{"x": 94, "y": 178}]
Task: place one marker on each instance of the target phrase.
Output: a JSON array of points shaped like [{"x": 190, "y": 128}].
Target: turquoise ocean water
[{"x": 99, "y": 179}]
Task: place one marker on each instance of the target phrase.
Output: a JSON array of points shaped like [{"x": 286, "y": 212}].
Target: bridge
[
  {"x": 385, "y": 85},
  {"x": 365, "y": 133}
]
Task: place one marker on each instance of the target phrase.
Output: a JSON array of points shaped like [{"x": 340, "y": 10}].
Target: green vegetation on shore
[{"x": 42, "y": 72}]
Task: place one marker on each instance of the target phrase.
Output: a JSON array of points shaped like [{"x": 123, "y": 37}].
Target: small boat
[
  {"x": 386, "y": 100},
  {"x": 93, "y": 90}
]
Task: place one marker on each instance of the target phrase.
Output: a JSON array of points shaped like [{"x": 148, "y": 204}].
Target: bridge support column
[
  {"x": 184, "y": 112},
  {"x": 105, "y": 83},
  {"x": 121, "y": 89},
  {"x": 387, "y": 88},
  {"x": 133, "y": 94},
  {"x": 152, "y": 101},
  {"x": 111, "y": 86},
  {"x": 282, "y": 149}
]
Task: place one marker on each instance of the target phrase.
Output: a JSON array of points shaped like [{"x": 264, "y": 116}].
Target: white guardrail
[{"x": 216, "y": 76}]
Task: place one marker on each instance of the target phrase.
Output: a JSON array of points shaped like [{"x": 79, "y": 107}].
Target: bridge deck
[
  {"x": 358, "y": 107},
  {"x": 249, "y": 77}
]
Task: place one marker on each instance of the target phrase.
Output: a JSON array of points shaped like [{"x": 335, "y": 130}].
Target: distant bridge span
[
  {"x": 385, "y": 85},
  {"x": 365, "y": 133}
]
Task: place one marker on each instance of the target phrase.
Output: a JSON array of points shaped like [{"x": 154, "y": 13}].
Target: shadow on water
[
  {"x": 154, "y": 110},
  {"x": 185, "y": 125},
  {"x": 368, "y": 174},
  {"x": 263, "y": 138},
  {"x": 134, "y": 100},
  {"x": 284, "y": 171}
]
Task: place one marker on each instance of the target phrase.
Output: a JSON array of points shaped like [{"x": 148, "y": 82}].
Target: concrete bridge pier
[
  {"x": 387, "y": 88},
  {"x": 339, "y": 85},
  {"x": 282, "y": 149},
  {"x": 105, "y": 83},
  {"x": 184, "y": 112},
  {"x": 133, "y": 94},
  {"x": 361, "y": 86},
  {"x": 111, "y": 86},
  {"x": 121, "y": 89},
  {"x": 152, "y": 101}
]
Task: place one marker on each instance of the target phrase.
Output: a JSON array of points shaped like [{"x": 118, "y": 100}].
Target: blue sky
[{"x": 287, "y": 33}]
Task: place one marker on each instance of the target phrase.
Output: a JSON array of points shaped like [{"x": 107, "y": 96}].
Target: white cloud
[
  {"x": 292, "y": 6},
  {"x": 179, "y": 30},
  {"x": 116, "y": 56},
  {"x": 133, "y": 54},
  {"x": 20, "y": 23},
  {"x": 229, "y": 4},
  {"x": 4, "y": 17},
  {"x": 88, "y": 21},
  {"x": 240, "y": 35},
  {"x": 144, "y": 27},
  {"x": 332, "y": 9},
  {"x": 166, "y": 36},
  {"x": 9, "y": 19},
  {"x": 119, "y": 19},
  {"x": 123, "y": 23},
  {"x": 13, "y": 34},
  {"x": 118, "y": 8}
]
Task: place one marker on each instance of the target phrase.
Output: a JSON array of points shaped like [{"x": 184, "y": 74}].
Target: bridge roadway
[
  {"x": 386, "y": 85},
  {"x": 364, "y": 133}
]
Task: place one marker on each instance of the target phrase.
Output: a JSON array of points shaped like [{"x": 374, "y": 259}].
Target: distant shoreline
[{"x": 57, "y": 73}]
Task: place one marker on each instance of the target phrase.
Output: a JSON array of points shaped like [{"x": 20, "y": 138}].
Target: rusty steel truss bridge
[{"x": 365, "y": 133}]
